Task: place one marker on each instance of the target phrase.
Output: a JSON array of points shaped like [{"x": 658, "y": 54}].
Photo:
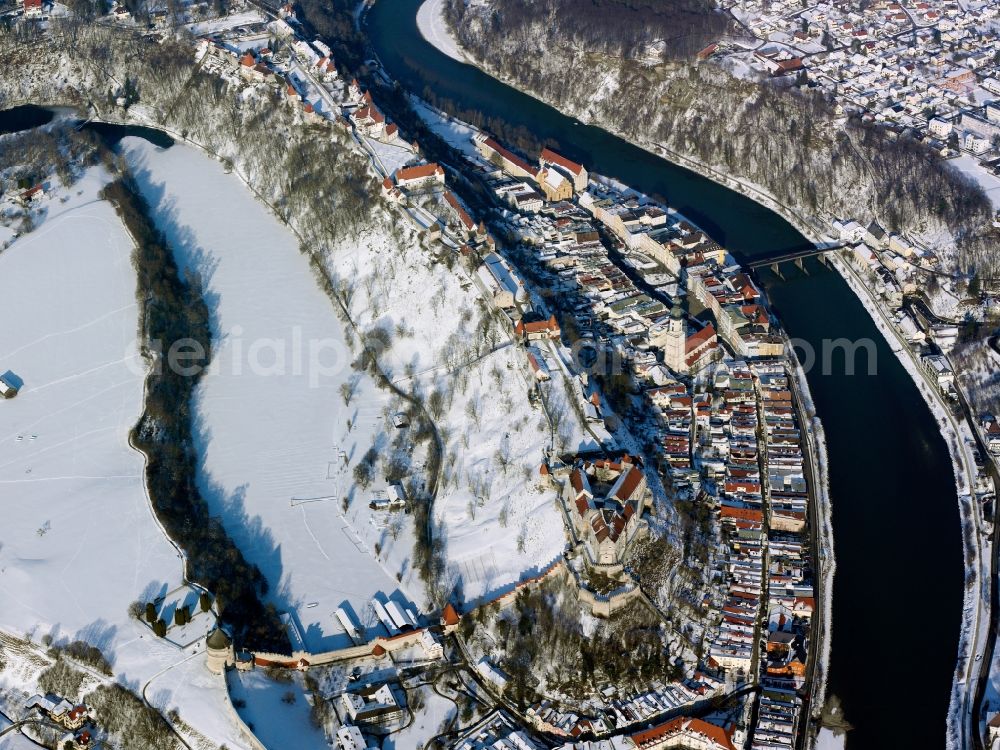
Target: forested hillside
[
  {"x": 784, "y": 140},
  {"x": 629, "y": 28}
]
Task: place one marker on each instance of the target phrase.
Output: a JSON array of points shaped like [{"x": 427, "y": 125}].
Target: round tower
[{"x": 219, "y": 651}]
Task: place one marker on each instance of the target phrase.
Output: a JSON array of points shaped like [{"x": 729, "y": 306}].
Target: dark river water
[
  {"x": 30, "y": 116},
  {"x": 897, "y": 597},
  {"x": 25, "y": 117}
]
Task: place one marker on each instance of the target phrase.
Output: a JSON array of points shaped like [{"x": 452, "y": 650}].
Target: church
[{"x": 684, "y": 352}]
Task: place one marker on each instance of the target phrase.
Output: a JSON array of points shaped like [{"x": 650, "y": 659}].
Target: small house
[
  {"x": 8, "y": 386},
  {"x": 396, "y": 495}
]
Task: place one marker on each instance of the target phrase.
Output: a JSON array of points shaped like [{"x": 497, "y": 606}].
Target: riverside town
[{"x": 616, "y": 370}]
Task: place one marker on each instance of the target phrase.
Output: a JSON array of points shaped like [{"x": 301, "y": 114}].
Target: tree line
[
  {"x": 612, "y": 27},
  {"x": 172, "y": 308}
]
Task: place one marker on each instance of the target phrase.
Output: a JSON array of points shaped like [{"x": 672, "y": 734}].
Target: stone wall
[{"x": 604, "y": 606}]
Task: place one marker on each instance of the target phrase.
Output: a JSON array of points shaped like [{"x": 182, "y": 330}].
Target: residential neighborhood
[{"x": 927, "y": 69}]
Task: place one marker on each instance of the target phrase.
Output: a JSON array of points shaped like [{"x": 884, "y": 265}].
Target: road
[
  {"x": 818, "y": 634},
  {"x": 20, "y": 724}
]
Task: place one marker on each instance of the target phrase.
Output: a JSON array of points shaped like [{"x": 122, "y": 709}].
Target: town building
[
  {"x": 349, "y": 737},
  {"x": 684, "y": 733},
  {"x": 422, "y": 175},
  {"x": 491, "y": 150},
  {"x": 682, "y": 351},
  {"x": 539, "y": 329},
  {"x": 576, "y": 172},
  {"x": 371, "y": 706},
  {"x": 604, "y": 501}
]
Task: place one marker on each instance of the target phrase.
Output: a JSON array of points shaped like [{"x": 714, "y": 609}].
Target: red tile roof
[
  {"x": 683, "y": 725},
  {"x": 419, "y": 172},
  {"x": 629, "y": 485},
  {"x": 745, "y": 514},
  {"x": 538, "y": 326},
  {"x": 548, "y": 155},
  {"x": 449, "y": 615},
  {"x": 463, "y": 216},
  {"x": 511, "y": 157}
]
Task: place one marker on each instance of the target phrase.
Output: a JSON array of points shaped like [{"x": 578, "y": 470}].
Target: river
[
  {"x": 24, "y": 117},
  {"x": 31, "y": 116},
  {"x": 897, "y": 596}
]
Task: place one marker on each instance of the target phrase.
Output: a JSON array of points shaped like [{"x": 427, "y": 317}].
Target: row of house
[
  {"x": 711, "y": 441},
  {"x": 77, "y": 719}
]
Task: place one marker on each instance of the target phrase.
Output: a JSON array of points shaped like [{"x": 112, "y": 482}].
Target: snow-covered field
[
  {"x": 78, "y": 541},
  {"x": 497, "y": 526},
  {"x": 216, "y": 25},
  {"x": 273, "y": 432},
  {"x": 455, "y": 132},
  {"x": 427, "y": 723},
  {"x": 969, "y": 166},
  {"x": 277, "y": 712}
]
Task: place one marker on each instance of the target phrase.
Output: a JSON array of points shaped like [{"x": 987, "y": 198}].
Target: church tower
[{"x": 675, "y": 341}]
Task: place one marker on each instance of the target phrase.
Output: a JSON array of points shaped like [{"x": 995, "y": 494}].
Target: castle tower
[
  {"x": 675, "y": 340},
  {"x": 219, "y": 651}
]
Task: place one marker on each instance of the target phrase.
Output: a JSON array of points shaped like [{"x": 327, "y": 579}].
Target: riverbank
[
  {"x": 977, "y": 561},
  {"x": 430, "y": 21},
  {"x": 434, "y": 28}
]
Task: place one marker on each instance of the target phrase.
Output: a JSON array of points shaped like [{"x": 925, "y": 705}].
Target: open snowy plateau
[
  {"x": 273, "y": 434},
  {"x": 78, "y": 541}
]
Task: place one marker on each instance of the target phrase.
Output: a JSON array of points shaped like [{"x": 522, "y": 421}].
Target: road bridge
[{"x": 796, "y": 256}]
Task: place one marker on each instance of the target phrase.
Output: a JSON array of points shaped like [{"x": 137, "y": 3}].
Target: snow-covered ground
[
  {"x": 969, "y": 166},
  {"x": 427, "y": 723},
  {"x": 827, "y": 740},
  {"x": 430, "y": 21},
  {"x": 455, "y": 132},
  {"x": 497, "y": 525},
  {"x": 276, "y": 712},
  {"x": 273, "y": 427},
  {"x": 389, "y": 156},
  {"x": 78, "y": 540},
  {"x": 216, "y": 25}
]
